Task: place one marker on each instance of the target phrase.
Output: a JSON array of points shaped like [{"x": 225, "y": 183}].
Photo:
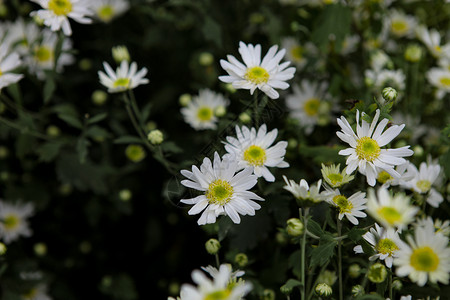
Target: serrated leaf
[
  {"x": 355, "y": 234},
  {"x": 314, "y": 228},
  {"x": 324, "y": 252},
  {"x": 97, "y": 118},
  {"x": 128, "y": 139},
  {"x": 295, "y": 263}
]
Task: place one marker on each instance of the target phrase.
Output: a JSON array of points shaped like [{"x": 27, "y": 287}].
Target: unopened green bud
[
  {"x": 53, "y": 131},
  {"x": 389, "y": 94},
  {"x": 354, "y": 270},
  {"x": 323, "y": 289},
  {"x": 286, "y": 289},
  {"x": 185, "y": 99},
  {"x": 292, "y": 143},
  {"x": 220, "y": 111},
  {"x": 120, "y": 53},
  {"x": 2, "y": 248},
  {"x": 205, "y": 59},
  {"x": 212, "y": 246},
  {"x": 39, "y": 21},
  {"x": 135, "y": 153},
  {"x": 4, "y": 152},
  {"x": 230, "y": 88},
  {"x": 377, "y": 273},
  {"x": 268, "y": 294},
  {"x": 397, "y": 285},
  {"x": 241, "y": 259},
  {"x": 245, "y": 117},
  {"x": 413, "y": 53},
  {"x": 99, "y": 97},
  {"x": 357, "y": 290},
  {"x": 40, "y": 249},
  {"x": 418, "y": 150},
  {"x": 155, "y": 137},
  {"x": 85, "y": 64},
  {"x": 294, "y": 227},
  {"x": 125, "y": 195}
]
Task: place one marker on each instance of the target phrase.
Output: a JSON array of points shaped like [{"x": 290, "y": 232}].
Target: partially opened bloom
[
  {"x": 350, "y": 207},
  {"x": 124, "y": 78},
  {"x": 426, "y": 257},
  {"x": 56, "y": 13},
  {"x": 106, "y": 10},
  {"x": 222, "y": 286},
  {"x": 390, "y": 211},
  {"x": 8, "y": 62},
  {"x": 334, "y": 177},
  {"x": 266, "y": 75},
  {"x": 13, "y": 221},
  {"x": 223, "y": 191},
  {"x": 303, "y": 192},
  {"x": 253, "y": 149},
  {"x": 366, "y": 153}
]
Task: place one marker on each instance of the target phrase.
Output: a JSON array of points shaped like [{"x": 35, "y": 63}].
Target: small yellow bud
[
  {"x": 220, "y": 111},
  {"x": 155, "y": 137},
  {"x": 4, "y": 152},
  {"x": 268, "y": 294},
  {"x": 135, "y": 153},
  {"x": 3, "y": 249},
  {"x": 245, "y": 117},
  {"x": 413, "y": 53},
  {"x": 99, "y": 97},
  {"x": 85, "y": 64},
  {"x": 53, "y": 131},
  {"x": 212, "y": 246},
  {"x": 185, "y": 99},
  {"x": 354, "y": 270},
  {"x": 377, "y": 273},
  {"x": 205, "y": 59},
  {"x": 40, "y": 249},
  {"x": 125, "y": 195},
  {"x": 294, "y": 227}
]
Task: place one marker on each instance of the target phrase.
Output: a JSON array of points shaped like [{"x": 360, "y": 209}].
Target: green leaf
[
  {"x": 322, "y": 253},
  {"x": 322, "y": 154},
  {"x": 97, "y": 132},
  {"x": 71, "y": 120},
  {"x": 82, "y": 149},
  {"x": 14, "y": 91},
  {"x": 290, "y": 285},
  {"x": 212, "y": 31},
  {"x": 128, "y": 139},
  {"x": 295, "y": 263},
  {"x": 120, "y": 287},
  {"x": 49, "y": 151},
  {"x": 355, "y": 234},
  {"x": 49, "y": 89},
  {"x": 97, "y": 118},
  {"x": 315, "y": 228},
  {"x": 171, "y": 147},
  {"x": 225, "y": 225}
]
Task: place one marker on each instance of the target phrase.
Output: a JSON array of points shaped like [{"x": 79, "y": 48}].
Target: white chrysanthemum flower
[
  {"x": 297, "y": 53},
  {"x": 214, "y": 272},
  {"x": 438, "y": 226},
  {"x": 432, "y": 40},
  {"x": 56, "y": 13},
  {"x": 350, "y": 207},
  {"x": 334, "y": 177},
  {"x": 265, "y": 75},
  {"x": 308, "y": 105},
  {"x": 440, "y": 79},
  {"x": 13, "y": 221},
  {"x": 303, "y": 192},
  {"x": 390, "y": 211},
  {"x": 8, "y": 62},
  {"x": 125, "y": 78},
  {"x": 222, "y": 286},
  {"x": 366, "y": 153},
  {"x": 42, "y": 56},
  {"x": 385, "y": 243},
  {"x": 106, "y": 10},
  {"x": 225, "y": 192},
  {"x": 20, "y": 36},
  {"x": 39, "y": 292},
  {"x": 423, "y": 181},
  {"x": 399, "y": 24},
  {"x": 200, "y": 112},
  {"x": 253, "y": 149},
  {"x": 406, "y": 172},
  {"x": 426, "y": 257}
]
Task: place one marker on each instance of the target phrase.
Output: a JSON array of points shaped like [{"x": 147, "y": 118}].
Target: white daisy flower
[
  {"x": 350, "y": 44},
  {"x": 350, "y": 207},
  {"x": 8, "y": 62},
  {"x": 423, "y": 180},
  {"x": 297, "y": 53},
  {"x": 438, "y": 226},
  {"x": 390, "y": 211},
  {"x": 225, "y": 192},
  {"x": 253, "y": 149},
  {"x": 303, "y": 192},
  {"x": 265, "y": 75},
  {"x": 200, "y": 112},
  {"x": 399, "y": 24},
  {"x": 308, "y": 105},
  {"x": 432, "y": 40},
  {"x": 42, "y": 56},
  {"x": 406, "y": 172},
  {"x": 385, "y": 243},
  {"x": 366, "y": 153},
  {"x": 426, "y": 257},
  {"x": 20, "y": 36},
  {"x": 334, "y": 177},
  {"x": 106, "y": 10},
  {"x": 222, "y": 286},
  {"x": 55, "y": 13},
  {"x": 13, "y": 223},
  {"x": 440, "y": 79},
  {"x": 125, "y": 78}
]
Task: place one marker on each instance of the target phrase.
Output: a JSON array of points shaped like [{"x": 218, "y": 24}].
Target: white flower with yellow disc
[
  {"x": 13, "y": 221},
  {"x": 266, "y": 75},
  {"x": 223, "y": 191},
  {"x": 350, "y": 207},
  {"x": 124, "y": 78},
  {"x": 432, "y": 40},
  {"x": 8, "y": 62},
  {"x": 399, "y": 24},
  {"x": 365, "y": 153},
  {"x": 253, "y": 149},
  {"x": 106, "y": 10},
  {"x": 440, "y": 79}
]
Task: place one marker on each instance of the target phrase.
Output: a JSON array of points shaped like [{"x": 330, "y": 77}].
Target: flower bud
[
  {"x": 53, "y": 131},
  {"x": 185, "y": 99},
  {"x": 294, "y": 227},
  {"x": 241, "y": 259},
  {"x": 230, "y": 88},
  {"x": 120, "y": 53},
  {"x": 2, "y": 249},
  {"x": 397, "y": 285},
  {"x": 99, "y": 97},
  {"x": 323, "y": 289},
  {"x": 220, "y": 111},
  {"x": 135, "y": 153},
  {"x": 377, "y": 273},
  {"x": 155, "y": 137},
  {"x": 357, "y": 290},
  {"x": 389, "y": 94},
  {"x": 125, "y": 195},
  {"x": 245, "y": 117},
  {"x": 205, "y": 59},
  {"x": 418, "y": 150},
  {"x": 413, "y": 53},
  {"x": 212, "y": 246},
  {"x": 268, "y": 294},
  {"x": 40, "y": 249},
  {"x": 354, "y": 270}
]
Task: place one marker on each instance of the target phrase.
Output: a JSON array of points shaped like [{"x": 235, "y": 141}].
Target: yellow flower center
[
  {"x": 255, "y": 155},
  {"x": 43, "y": 54},
  {"x": 205, "y": 113},
  {"x": 219, "y": 192},
  {"x": 423, "y": 185},
  {"x": 445, "y": 81},
  {"x": 343, "y": 204},
  {"x": 297, "y": 52},
  {"x": 60, "y": 7},
  {"x": 257, "y": 75},
  {"x": 311, "y": 106},
  {"x": 384, "y": 177},
  {"x": 437, "y": 48},
  {"x": 335, "y": 178},
  {"x": 389, "y": 214},
  {"x": 122, "y": 82},
  {"x": 1, "y": 72},
  {"x": 424, "y": 259},
  {"x": 11, "y": 222},
  {"x": 218, "y": 295},
  {"x": 399, "y": 27},
  {"x": 386, "y": 246},
  {"x": 106, "y": 13},
  {"x": 367, "y": 149}
]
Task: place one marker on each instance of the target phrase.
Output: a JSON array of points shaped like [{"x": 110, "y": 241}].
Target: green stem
[
  {"x": 22, "y": 130},
  {"x": 303, "y": 252},
  {"x": 255, "y": 109},
  {"x": 217, "y": 261},
  {"x": 390, "y": 284},
  {"x": 339, "y": 229}
]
